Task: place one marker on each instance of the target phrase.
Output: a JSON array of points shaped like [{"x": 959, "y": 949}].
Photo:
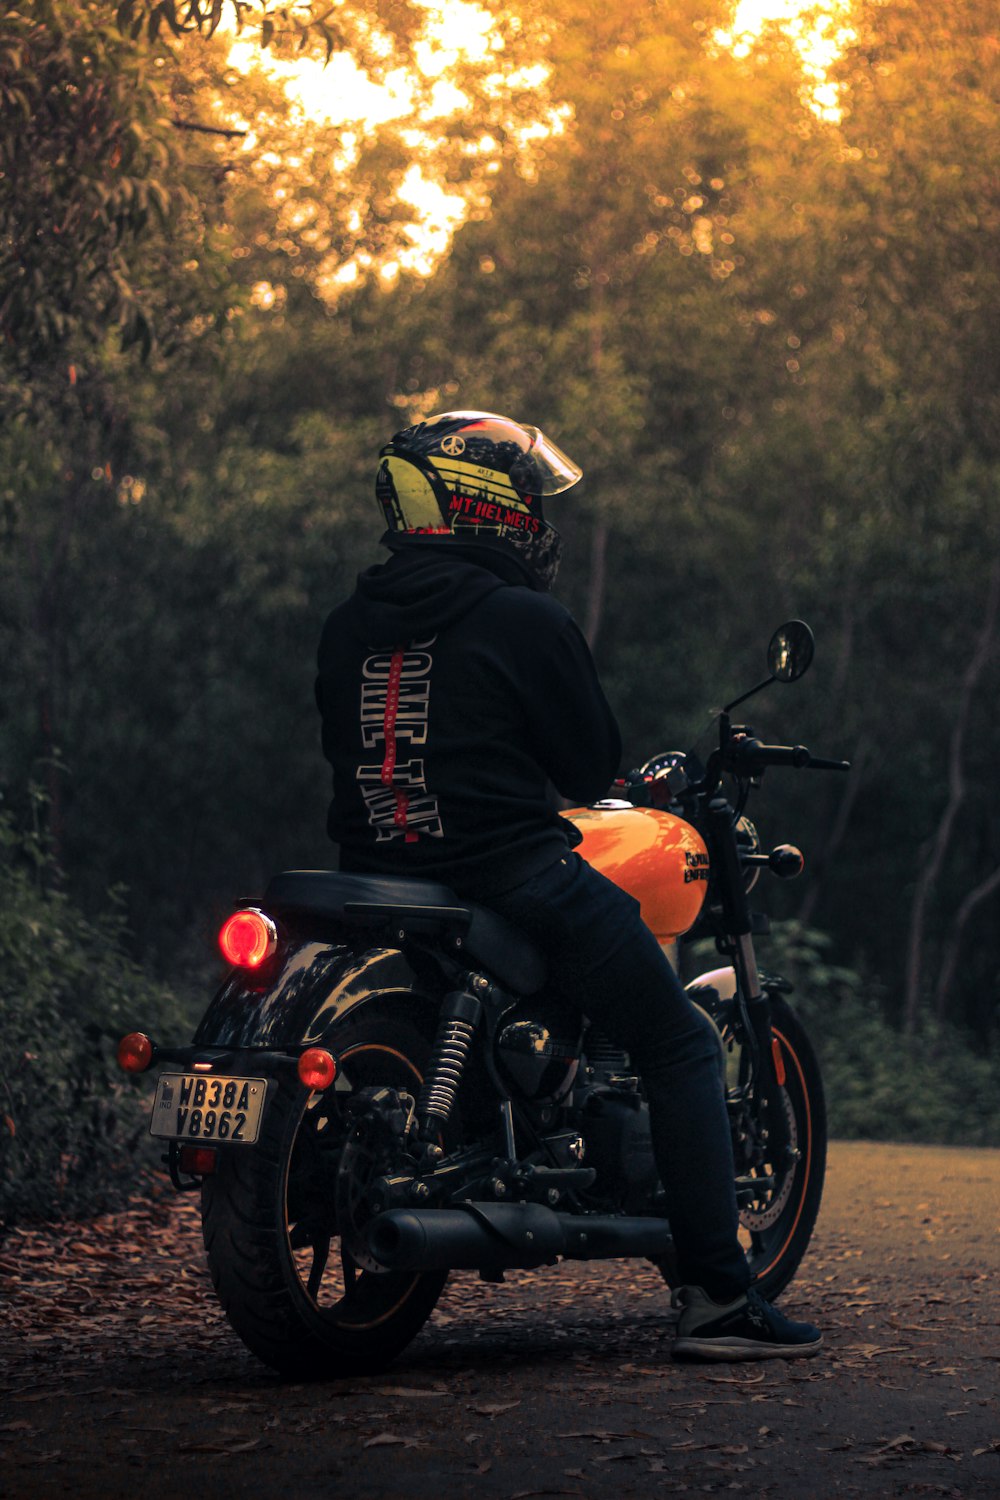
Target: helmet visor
[{"x": 544, "y": 469}]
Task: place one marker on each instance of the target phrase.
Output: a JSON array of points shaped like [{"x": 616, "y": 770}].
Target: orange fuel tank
[{"x": 658, "y": 858}]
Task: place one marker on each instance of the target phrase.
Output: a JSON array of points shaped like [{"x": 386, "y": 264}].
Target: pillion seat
[{"x": 408, "y": 905}]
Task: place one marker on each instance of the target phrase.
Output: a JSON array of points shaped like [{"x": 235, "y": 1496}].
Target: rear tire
[{"x": 293, "y": 1295}]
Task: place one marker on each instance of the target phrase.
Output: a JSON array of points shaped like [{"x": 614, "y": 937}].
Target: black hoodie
[{"x": 452, "y": 693}]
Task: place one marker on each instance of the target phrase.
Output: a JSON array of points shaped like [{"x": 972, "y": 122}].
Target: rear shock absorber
[{"x": 460, "y": 1015}]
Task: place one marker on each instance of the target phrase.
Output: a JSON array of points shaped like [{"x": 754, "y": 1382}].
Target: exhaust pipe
[{"x": 507, "y": 1236}]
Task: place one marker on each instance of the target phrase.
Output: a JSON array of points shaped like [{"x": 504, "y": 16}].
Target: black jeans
[{"x": 605, "y": 962}]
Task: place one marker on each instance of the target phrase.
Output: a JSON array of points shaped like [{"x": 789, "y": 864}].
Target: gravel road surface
[{"x": 119, "y": 1376}]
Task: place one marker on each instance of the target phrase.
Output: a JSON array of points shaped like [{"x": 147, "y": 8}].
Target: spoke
[
  {"x": 301, "y": 1235},
  {"x": 350, "y": 1270},
  {"x": 321, "y": 1254}
]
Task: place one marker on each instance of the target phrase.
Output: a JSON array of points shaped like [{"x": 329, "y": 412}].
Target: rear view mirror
[{"x": 791, "y": 650}]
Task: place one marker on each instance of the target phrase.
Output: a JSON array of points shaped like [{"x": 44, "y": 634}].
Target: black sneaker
[{"x": 748, "y": 1328}]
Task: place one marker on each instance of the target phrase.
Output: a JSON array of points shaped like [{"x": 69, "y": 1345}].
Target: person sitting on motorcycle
[{"x": 454, "y": 691}]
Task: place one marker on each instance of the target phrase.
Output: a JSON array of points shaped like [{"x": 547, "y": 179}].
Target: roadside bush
[
  {"x": 879, "y": 1085},
  {"x": 72, "y": 1126}
]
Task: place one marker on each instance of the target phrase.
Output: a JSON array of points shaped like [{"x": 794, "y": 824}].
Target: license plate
[{"x": 208, "y": 1107}]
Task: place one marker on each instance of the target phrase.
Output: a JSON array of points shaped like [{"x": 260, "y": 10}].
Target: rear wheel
[{"x": 280, "y": 1222}]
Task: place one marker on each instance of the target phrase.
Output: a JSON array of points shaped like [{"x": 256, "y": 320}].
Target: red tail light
[
  {"x": 248, "y": 938},
  {"x": 199, "y": 1161},
  {"x": 135, "y": 1052},
  {"x": 317, "y": 1069}
]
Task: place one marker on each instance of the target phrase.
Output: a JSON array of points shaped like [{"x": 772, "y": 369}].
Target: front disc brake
[{"x": 768, "y": 1210}]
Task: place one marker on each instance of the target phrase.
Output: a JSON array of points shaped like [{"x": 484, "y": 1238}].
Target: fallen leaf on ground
[
  {"x": 409, "y": 1390},
  {"x": 245, "y": 1446},
  {"x": 392, "y": 1439}
]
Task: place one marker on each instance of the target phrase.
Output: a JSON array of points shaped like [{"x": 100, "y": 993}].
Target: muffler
[{"x": 506, "y": 1236}]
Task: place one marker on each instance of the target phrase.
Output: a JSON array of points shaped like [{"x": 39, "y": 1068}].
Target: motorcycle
[{"x": 381, "y": 1091}]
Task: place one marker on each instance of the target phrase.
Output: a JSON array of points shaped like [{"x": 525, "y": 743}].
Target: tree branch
[{"x": 207, "y": 129}]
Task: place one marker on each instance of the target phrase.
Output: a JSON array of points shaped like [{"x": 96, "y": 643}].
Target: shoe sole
[{"x": 736, "y": 1349}]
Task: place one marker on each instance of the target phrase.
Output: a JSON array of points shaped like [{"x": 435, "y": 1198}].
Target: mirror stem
[{"x": 749, "y": 694}]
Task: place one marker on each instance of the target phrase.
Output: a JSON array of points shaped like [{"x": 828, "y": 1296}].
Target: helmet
[{"x": 473, "y": 476}]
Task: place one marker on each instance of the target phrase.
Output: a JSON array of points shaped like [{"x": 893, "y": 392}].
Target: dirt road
[{"x": 120, "y": 1378}]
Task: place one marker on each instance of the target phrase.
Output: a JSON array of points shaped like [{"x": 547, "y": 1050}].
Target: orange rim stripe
[
  {"x": 363, "y": 1327},
  {"x": 807, "y": 1159}
]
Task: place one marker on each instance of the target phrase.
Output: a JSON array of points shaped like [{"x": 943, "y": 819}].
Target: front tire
[
  {"x": 776, "y": 1231},
  {"x": 288, "y": 1286}
]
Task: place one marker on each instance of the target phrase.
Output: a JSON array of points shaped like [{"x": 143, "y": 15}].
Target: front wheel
[
  {"x": 272, "y": 1221},
  {"x": 776, "y": 1228}
]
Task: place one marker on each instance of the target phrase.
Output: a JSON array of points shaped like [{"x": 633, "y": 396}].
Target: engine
[
  {"x": 614, "y": 1122},
  {"x": 538, "y": 1052}
]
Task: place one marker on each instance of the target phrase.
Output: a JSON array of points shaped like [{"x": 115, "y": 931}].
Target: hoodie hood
[{"x": 422, "y": 590}]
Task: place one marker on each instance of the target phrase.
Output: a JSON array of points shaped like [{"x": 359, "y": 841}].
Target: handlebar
[{"x": 748, "y": 757}]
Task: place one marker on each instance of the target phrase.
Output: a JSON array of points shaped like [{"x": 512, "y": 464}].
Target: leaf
[
  {"x": 245, "y": 1445},
  {"x": 408, "y": 1391}
]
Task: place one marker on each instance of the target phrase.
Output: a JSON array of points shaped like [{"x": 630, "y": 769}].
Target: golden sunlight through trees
[
  {"x": 457, "y": 35},
  {"x": 818, "y": 32}
]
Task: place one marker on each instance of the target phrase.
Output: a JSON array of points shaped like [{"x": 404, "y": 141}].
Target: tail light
[
  {"x": 135, "y": 1052},
  {"x": 248, "y": 938},
  {"x": 197, "y": 1161},
  {"x": 317, "y": 1069}
]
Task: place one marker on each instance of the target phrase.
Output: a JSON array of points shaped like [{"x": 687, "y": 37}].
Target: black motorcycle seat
[{"x": 410, "y": 905}]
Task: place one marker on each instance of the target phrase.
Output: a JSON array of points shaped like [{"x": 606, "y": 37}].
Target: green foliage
[
  {"x": 935, "y": 1087},
  {"x": 72, "y": 1126},
  {"x": 87, "y": 163}
]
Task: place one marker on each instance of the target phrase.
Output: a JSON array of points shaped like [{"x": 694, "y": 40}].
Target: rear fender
[{"x": 316, "y": 984}]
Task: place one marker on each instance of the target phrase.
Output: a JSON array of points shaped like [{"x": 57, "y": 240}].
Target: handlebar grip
[{"x": 753, "y": 756}]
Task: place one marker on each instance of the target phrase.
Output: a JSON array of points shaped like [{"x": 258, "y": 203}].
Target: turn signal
[
  {"x": 135, "y": 1052},
  {"x": 317, "y": 1069},
  {"x": 786, "y": 861},
  {"x": 248, "y": 938}
]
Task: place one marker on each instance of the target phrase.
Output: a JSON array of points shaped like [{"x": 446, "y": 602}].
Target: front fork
[{"x": 755, "y": 1006}]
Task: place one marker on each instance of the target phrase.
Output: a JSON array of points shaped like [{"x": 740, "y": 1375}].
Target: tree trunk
[
  {"x": 838, "y": 828},
  {"x": 932, "y": 855},
  {"x": 598, "y": 576},
  {"x": 599, "y": 538},
  {"x": 975, "y": 898}
]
